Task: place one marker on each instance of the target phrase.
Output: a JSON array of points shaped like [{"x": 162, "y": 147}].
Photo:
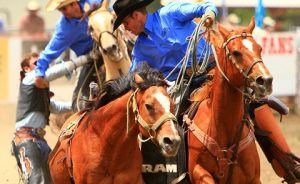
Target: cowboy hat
[
  {"x": 268, "y": 21},
  {"x": 56, "y": 4},
  {"x": 233, "y": 19},
  {"x": 33, "y": 6},
  {"x": 123, "y": 8}
]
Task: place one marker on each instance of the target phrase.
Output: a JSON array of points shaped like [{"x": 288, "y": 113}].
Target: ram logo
[{"x": 164, "y": 168}]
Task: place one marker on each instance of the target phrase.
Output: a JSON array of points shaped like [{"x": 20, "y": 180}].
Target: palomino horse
[
  {"x": 221, "y": 139},
  {"x": 111, "y": 45},
  {"x": 104, "y": 149}
]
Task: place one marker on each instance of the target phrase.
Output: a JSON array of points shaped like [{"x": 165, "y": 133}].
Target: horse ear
[
  {"x": 224, "y": 32},
  {"x": 251, "y": 25},
  {"x": 138, "y": 79},
  {"x": 86, "y": 7},
  {"x": 105, "y": 4}
]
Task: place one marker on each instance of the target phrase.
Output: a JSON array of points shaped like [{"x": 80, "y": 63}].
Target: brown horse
[
  {"x": 221, "y": 140},
  {"x": 112, "y": 45},
  {"x": 104, "y": 149}
]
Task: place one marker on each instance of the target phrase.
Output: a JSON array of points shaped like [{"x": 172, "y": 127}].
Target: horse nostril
[
  {"x": 167, "y": 140},
  {"x": 114, "y": 47},
  {"x": 264, "y": 80}
]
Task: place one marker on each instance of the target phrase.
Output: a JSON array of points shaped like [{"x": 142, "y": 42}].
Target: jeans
[{"x": 32, "y": 158}]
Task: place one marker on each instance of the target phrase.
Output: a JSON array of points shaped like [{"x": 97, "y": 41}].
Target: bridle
[
  {"x": 232, "y": 59},
  {"x": 150, "y": 128},
  {"x": 100, "y": 36},
  {"x": 229, "y": 56}
]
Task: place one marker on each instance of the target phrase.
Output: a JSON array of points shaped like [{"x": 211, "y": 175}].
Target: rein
[{"x": 151, "y": 128}]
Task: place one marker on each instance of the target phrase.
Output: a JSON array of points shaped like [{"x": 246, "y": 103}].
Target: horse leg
[
  {"x": 275, "y": 147},
  {"x": 201, "y": 176}
]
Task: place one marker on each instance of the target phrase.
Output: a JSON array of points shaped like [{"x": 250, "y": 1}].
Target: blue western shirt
[
  {"x": 69, "y": 33},
  {"x": 165, "y": 41}
]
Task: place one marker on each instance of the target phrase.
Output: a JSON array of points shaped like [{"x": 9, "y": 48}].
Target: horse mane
[
  {"x": 93, "y": 8},
  {"x": 118, "y": 87},
  {"x": 216, "y": 39}
]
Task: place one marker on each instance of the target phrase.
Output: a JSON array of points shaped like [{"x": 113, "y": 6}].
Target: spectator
[
  {"x": 233, "y": 20},
  {"x": 2, "y": 28},
  {"x": 269, "y": 24},
  {"x": 32, "y": 25}
]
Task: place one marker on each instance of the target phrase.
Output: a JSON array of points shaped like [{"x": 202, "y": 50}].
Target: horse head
[
  {"x": 243, "y": 64},
  {"x": 154, "y": 112},
  {"x": 100, "y": 26}
]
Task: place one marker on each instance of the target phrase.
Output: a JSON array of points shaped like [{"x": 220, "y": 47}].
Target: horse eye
[
  {"x": 149, "y": 107},
  {"x": 112, "y": 21},
  {"x": 90, "y": 29},
  {"x": 237, "y": 53}
]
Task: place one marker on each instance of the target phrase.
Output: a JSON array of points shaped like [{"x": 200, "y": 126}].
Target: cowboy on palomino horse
[
  {"x": 162, "y": 42},
  {"x": 70, "y": 32}
]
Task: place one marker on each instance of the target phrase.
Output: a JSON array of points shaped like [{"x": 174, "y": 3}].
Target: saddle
[{"x": 65, "y": 138}]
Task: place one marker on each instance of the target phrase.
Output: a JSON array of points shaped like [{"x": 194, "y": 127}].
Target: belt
[
  {"x": 210, "y": 65},
  {"x": 30, "y": 132}
]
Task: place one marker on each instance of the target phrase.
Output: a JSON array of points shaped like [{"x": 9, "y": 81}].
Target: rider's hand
[
  {"x": 40, "y": 82},
  {"x": 209, "y": 18}
]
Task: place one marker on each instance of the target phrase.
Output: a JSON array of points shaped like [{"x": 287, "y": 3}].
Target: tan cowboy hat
[
  {"x": 123, "y": 8},
  {"x": 56, "y": 4},
  {"x": 233, "y": 19},
  {"x": 268, "y": 21},
  {"x": 33, "y": 6}
]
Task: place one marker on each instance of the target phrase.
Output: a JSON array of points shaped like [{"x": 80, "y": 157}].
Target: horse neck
[
  {"x": 227, "y": 104},
  {"x": 112, "y": 128},
  {"x": 116, "y": 69}
]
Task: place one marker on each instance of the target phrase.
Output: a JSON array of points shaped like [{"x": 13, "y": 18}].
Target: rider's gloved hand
[{"x": 209, "y": 16}]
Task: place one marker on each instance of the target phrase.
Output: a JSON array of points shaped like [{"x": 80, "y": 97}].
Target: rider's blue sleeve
[{"x": 185, "y": 11}]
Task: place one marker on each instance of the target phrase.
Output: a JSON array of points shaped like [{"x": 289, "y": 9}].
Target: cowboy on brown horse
[{"x": 162, "y": 42}]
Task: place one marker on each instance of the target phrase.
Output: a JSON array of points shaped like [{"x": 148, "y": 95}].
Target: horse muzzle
[
  {"x": 169, "y": 144},
  {"x": 261, "y": 86}
]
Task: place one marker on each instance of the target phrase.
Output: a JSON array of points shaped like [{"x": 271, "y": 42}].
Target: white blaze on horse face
[
  {"x": 248, "y": 44},
  {"x": 163, "y": 100},
  {"x": 165, "y": 103}
]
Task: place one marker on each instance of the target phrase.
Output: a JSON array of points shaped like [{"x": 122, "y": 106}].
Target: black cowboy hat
[{"x": 123, "y": 8}]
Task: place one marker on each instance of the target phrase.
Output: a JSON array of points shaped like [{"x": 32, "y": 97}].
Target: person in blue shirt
[
  {"x": 162, "y": 43},
  {"x": 162, "y": 35},
  {"x": 71, "y": 32}
]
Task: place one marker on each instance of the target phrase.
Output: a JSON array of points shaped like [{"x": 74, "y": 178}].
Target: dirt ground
[{"x": 9, "y": 172}]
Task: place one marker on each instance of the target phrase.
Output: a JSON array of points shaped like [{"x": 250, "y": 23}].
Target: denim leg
[{"x": 33, "y": 157}]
